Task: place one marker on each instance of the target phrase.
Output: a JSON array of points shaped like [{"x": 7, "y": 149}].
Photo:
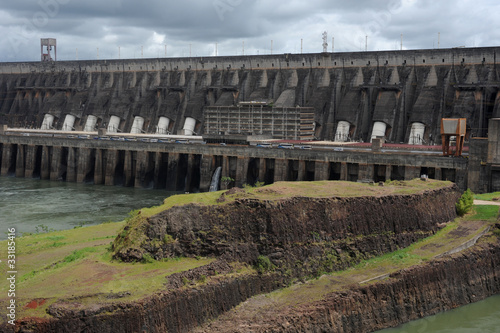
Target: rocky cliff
[
  {"x": 301, "y": 235},
  {"x": 410, "y": 294}
]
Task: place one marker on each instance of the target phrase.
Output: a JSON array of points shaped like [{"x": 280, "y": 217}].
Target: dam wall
[{"x": 401, "y": 95}]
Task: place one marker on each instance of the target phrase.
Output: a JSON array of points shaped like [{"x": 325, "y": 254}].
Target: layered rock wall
[
  {"x": 410, "y": 294},
  {"x": 320, "y": 233}
]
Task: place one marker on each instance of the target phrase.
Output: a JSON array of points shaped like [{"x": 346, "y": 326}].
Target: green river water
[{"x": 27, "y": 204}]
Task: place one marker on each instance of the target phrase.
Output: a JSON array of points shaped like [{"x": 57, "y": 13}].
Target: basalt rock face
[
  {"x": 306, "y": 235},
  {"x": 409, "y": 294},
  {"x": 177, "y": 310}
]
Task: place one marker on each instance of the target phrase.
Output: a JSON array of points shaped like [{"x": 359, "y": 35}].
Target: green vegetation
[
  {"x": 263, "y": 265},
  {"x": 80, "y": 262},
  {"x": 168, "y": 239},
  {"x": 147, "y": 259},
  {"x": 493, "y": 196},
  {"x": 78, "y": 254},
  {"x": 257, "y": 184},
  {"x": 226, "y": 180},
  {"x": 484, "y": 213},
  {"x": 465, "y": 203}
]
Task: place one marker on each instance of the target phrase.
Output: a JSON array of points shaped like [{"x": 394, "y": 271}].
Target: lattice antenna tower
[{"x": 325, "y": 41}]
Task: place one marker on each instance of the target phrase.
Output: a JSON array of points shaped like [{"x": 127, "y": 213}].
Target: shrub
[
  {"x": 147, "y": 258},
  {"x": 464, "y": 204},
  {"x": 185, "y": 281},
  {"x": 263, "y": 264},
  {"x": 168, "y": 239}
]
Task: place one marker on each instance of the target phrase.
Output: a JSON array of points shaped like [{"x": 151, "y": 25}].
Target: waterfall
[{"x": 214, "y": 185}]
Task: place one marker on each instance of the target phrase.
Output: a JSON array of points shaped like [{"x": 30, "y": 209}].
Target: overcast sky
[{"x": 109, "y": 29}]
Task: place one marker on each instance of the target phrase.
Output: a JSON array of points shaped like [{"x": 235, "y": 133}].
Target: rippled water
[
  {"x": 27, "y": 204},
  {"x": 480, "y": 317}
]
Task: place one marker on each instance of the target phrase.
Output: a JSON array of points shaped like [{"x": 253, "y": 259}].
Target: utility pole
[{"x": 325, "y": 43}]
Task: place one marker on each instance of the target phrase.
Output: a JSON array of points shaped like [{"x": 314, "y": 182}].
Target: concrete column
[
  {"x": 111, "y": 163},
  {"x": 438, "y": 174},
  {"x": 141, "y": 168},
  {"x": 129, "y": 169},
  {"x": 388, "y": 172},
  {"x": 99, "y": 169},
  {"x": 6, "y": 158},
  {"x": 280, "y": 170},
  {"x": 30, "y": 161},
  {"x": 206, "y": 171},
  {"x": 412, "y": 172},
  {"x": 494, "y": 141},
  {"x": 343, "y": 171},
  {"x": 477, "y": 174},
  {"x": 71, "y": 170},
  {"x": 302, "y": 171},
  {"x": 225, "y": 172},
  {"x": 189, "y": 174},
  {"x": 262, "y": 169},
  {"x": 241, "y": 171},
  {"x": 173, "y": 162},
  {"x": 365, "y": 172},
  {"x": 156, "y": 170},
  {"x": 45, "y": 167},
  {"x": 56, "y": 163},
  {"x": 321, "y": 170},
  {"x": 85, "y": 165},
  {"x": 20, "y": 161}
]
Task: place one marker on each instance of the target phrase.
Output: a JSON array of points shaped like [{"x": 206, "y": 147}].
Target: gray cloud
[{"x": 197, "y": 25}]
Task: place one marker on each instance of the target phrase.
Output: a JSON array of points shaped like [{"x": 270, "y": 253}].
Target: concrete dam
[{"x": 400, "y": 96}]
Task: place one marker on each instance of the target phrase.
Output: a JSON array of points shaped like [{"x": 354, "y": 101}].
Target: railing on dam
[{"x": 189, "y": 167}]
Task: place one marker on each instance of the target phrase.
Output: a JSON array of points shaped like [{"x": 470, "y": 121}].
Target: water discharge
[{"x": 214, "y": 185}]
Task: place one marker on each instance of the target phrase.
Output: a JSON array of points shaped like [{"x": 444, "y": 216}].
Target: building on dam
[{"x": 338, "y": 102}]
